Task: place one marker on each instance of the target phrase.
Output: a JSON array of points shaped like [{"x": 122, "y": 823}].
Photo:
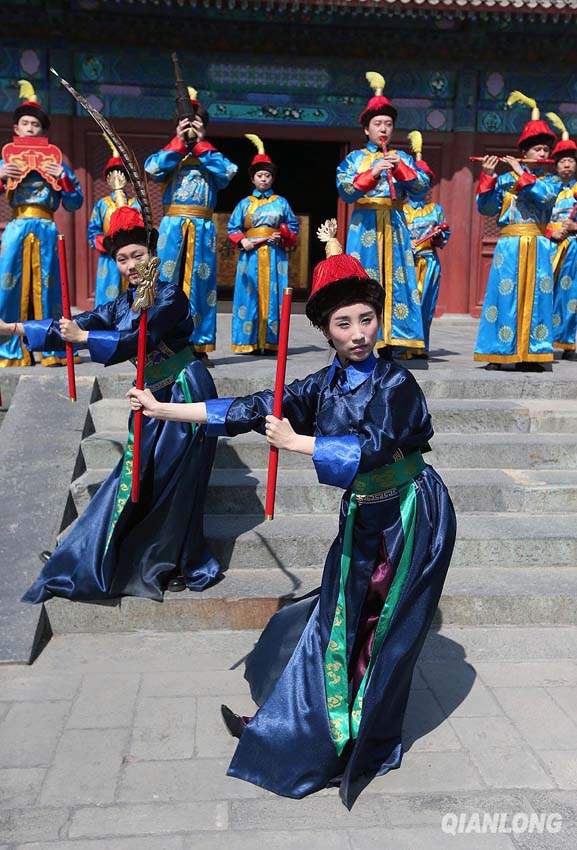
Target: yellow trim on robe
[
  {"x": 260, "y": 232},
  {"x": 523, "y": 230},
  {"x": 189, "y": 211},
  {"x": 32, "y": 211},
  {"x": 263, "y": 259},
  {"x": 188, "y": 231}
]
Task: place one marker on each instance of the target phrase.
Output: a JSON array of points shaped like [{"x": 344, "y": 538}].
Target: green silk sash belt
[{"x": 367, "y": 487}]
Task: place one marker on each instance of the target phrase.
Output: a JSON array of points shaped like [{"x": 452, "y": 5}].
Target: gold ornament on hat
[
  {"x": 116, "y": 179},
  {"x": 376, "y": 82},
  {"x": 26, "y": 91},
  {"x": 327, "y": 232},
  {"x": 519, "y": 97},
  {"x": 415, "y": 138},
  {"x": 257, "y": 142},
  {"x": 559, "y": 125}
]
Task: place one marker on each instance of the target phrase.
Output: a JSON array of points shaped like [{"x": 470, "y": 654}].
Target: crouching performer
[{"x": 117, "y": 548}]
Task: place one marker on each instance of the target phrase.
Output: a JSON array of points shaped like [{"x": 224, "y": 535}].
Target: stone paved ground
[{"x": 113, "y": 742}]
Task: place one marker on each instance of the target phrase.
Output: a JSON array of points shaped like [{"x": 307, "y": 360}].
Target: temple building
[{"x": 293, "y": 72}]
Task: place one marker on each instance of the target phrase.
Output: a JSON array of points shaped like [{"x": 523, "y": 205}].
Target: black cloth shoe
[
  {"x": 529, "y": 367},
  {"x": 45, "y": 555},
  {"x": 176, "y": 584},
  {"x": 568, "y": 354},
  {"x": 492, "y": 367},
  {"x": 234, "y": 723}
]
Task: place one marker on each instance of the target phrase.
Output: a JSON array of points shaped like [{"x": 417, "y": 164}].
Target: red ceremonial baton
[
  {"x": 285, "y": 318},
  {"x": 435, "y": 231},
  {"x": 67, "y": 315},
  {"x": 144, "y": 299}
]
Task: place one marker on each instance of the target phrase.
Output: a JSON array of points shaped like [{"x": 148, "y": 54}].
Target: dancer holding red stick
[
  {"x": 67, "y": 315},
  {"x": 332, "y": 709}
]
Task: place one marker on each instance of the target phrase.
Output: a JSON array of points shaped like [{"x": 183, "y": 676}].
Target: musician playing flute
[
  {"x": 118, "y": 548},
  {"x": 378, "y": 234},
  {"x": 192, "y": 172},
  {"x": 426, "y": 217},
  {"x": 517, "y": 319},
  {"x": 262, "y": 268},
  {"x": 562, "y": 230},
  {"x": 332, "y": 672},
  {"x": 109, "y": 283},
  {"x": 29, "y": 269}
]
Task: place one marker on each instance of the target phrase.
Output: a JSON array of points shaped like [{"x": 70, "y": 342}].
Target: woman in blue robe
[
  {"x": 562, "y": 231},
  {"x": 256, "y": 227},
  {"x": 333, "y": 714},
  {"x": 517, "y": 319},
  {"x": 117, "y": 548}
]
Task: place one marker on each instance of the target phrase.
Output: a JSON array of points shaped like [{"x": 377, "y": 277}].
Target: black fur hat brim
[
  {"x": 262, "y": 166},
  {"x": 34, "y": 111},
  {"x": 341, "y": 293},
  {"x": 383, "y": 110},
  {"x": 136, "y": 236}
]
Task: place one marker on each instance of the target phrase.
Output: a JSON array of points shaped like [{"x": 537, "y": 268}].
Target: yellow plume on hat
[
  {"x": 376, "y": 82},
  {"x": 257, "y": 142},
  {"x": 559, "y": 125},
  {"x": 192, "y": 93},
  {"x": 415, "y": 138},
  {"x": 111, "y": 145},
  {"x": 26, "y": 91},
  {"x": 519, "y": 97},
  {"x": 327, "y": 232}
]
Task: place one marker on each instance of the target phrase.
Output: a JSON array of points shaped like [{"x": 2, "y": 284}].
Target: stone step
[
  {"x": 239, "y": 491},
  {"x": 483, "y": 540},
  {"x": 449, "y": 415},
  {"x": 458, "y": 451},
  {"x": 447, "y": 383},
  {"x": 247, "y": 600}
]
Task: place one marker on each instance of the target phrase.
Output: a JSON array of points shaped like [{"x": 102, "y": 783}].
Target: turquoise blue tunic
[
  {"x": 262, "y": 273},
  {"x": 109, "y": 282},
  {"x": 29, "y": 270},
  {"x": 565, "y": 272},
  {"x": 517, "y": 319},
  {"x": 422, "y": 217},
  {"x": 191, "y": 182},
  {"x": 378, "y": 236}
]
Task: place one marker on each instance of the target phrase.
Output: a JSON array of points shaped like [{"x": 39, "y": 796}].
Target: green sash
[
  {"x": 345, "y": 722},
  {"x": 169, "y": 370}
]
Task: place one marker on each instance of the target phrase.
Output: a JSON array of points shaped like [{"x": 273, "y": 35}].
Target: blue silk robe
[
  {"x": 29, "y": 270},
  {"x": 378, "y": 236},
  {"x": 261, "y": 274},
  {"x": 190, "y": 185},
  {"x": 565, "y": 271},
  {"x": 517, "y": 319},
  {"x": 422, "y": 217},
  {"x": 363, "y": 418},
  {"x": 109, "y": 282},
  {"x": 117, "y": 548}
]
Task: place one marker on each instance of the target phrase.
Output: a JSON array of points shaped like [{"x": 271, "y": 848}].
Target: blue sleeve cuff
[
  {"x": 35, "y": 334},
  {"x": 216, "y": 411},
  {"x": 337, "y": 459},
  {"x": 102, "y": 345}
]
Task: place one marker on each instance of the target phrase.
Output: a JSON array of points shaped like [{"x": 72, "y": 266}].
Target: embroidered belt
[
  {"x": 523, "y": 230},
  {"x": 158, "y": 375},
  {"x": 369, "y": 486},
  {"x": 379, "y": 203},
  {"x": 189, "y": 211},
  {"x": 32, "y": 211},
  {"x": 260, "y": 232}
]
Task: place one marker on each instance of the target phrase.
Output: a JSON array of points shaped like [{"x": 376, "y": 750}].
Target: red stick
[
  {"x": 67, "y": 315},
  {"x": 435, "y": 231},
  {"x": 285, "y": 318},
  {"x": 137, "y": 430},
  {"x": 390, "y": 181},
  {"x": 502, "y": 159}
]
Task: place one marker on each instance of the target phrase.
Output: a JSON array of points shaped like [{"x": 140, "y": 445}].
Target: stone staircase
[{"x": 506, "y": 445}]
